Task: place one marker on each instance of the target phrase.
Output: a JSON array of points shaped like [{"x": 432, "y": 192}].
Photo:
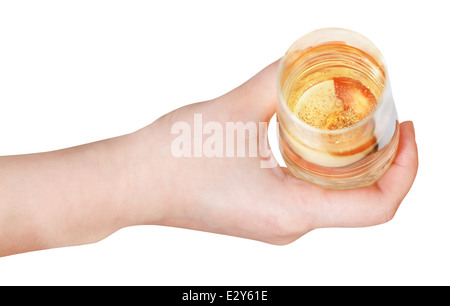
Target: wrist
[{"x": 145, "y": 176}]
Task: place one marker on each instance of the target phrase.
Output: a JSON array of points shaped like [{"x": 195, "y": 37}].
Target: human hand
[
  {"x": 236, "y": 196},
  {"x": 82, "y": 194}
]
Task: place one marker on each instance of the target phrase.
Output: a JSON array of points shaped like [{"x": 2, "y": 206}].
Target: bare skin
[{"x": 83, "y": 194}]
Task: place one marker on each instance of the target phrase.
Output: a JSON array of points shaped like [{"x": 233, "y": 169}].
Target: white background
[{"x": 73, "y": 72}]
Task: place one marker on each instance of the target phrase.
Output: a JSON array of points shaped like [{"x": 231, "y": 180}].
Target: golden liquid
[
  {"x": 333, "y": 86},
  {"x": 335, "y": 104}
]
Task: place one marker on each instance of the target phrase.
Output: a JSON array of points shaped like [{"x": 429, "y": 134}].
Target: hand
[
  {"x": 82, "y": 194},
  {"x": 235, "y": 196}
]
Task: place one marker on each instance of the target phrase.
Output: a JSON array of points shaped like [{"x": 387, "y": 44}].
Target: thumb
[{"x": 256, "y": 99}]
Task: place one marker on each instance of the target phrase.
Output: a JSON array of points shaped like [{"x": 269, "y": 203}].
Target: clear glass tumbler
[{"x": 338, "y": 125}]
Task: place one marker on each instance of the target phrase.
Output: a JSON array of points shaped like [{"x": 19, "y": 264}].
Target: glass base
[{"x": 364, "y": 172}]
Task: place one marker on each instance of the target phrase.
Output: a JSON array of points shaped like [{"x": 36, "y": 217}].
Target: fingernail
[{"x": 413, "y": 128}]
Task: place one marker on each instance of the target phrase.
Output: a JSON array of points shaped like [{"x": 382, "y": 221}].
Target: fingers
[
  {"x": 399, "y": 178},
  {"x": 375, "y": 204}
]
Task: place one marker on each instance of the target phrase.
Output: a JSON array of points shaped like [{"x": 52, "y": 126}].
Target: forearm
[{"x": 67, "y": 197}]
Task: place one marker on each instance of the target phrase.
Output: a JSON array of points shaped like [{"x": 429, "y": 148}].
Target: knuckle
[{"x": 389, "y": 213}]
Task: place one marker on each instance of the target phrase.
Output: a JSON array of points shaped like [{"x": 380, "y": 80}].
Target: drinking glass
[{"x": 337, "y": 121}]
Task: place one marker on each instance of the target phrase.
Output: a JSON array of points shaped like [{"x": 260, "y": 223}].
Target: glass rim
[{"x": 303, "y": 124}]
